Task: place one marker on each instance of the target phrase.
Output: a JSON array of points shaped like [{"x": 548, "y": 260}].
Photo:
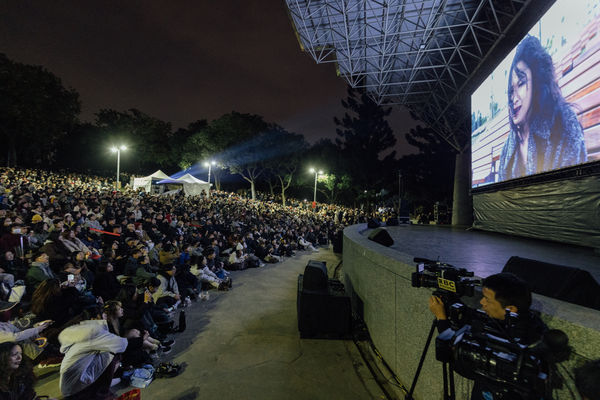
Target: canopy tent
[
  {"x": 191, "y": 185},
  {"x": 146, "y": 181}
]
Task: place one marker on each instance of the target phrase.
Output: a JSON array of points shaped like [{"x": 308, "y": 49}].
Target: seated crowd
[{"x": 91, "y": 279}]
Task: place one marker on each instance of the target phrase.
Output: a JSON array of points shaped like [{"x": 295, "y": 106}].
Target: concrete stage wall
[{"x": 399, "y": 320}]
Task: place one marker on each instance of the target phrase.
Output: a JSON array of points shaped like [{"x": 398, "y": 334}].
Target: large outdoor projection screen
[{"x": 539, "y": 110}]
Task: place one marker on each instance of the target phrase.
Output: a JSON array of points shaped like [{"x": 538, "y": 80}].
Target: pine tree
[{"x": 364, "y": 135}]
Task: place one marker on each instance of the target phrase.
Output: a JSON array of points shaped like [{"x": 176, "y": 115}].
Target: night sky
[{"x": 181, "y": 61}]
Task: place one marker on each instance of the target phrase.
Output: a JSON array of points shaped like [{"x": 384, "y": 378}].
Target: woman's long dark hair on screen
[{"x": 547, "y": 101}]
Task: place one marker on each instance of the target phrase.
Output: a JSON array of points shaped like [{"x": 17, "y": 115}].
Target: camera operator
[
  {"x": 501, "y": 293},
  {"x": 587, "y": 380}
]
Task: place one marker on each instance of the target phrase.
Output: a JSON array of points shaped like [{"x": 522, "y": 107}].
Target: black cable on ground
[
  {"x": 361, "y": 334},
  {"x": 336, "y": 269}
]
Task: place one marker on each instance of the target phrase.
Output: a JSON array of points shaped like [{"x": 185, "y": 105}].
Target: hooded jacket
[
  {"x": 89, "y": 348},
  {"x": 38, "y": 272}
]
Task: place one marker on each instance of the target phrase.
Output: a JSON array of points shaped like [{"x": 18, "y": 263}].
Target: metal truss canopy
[{"x": 418, "y": 53}]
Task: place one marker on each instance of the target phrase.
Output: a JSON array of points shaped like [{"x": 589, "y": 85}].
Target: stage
[{"x": 483, "y": 252}]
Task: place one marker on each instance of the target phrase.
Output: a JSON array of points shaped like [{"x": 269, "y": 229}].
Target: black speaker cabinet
[
  {"x": 323, "y": 315},
  {"x": 315, "y": 276},
  {"x": 381, "y": 236},
  {"x": 569, "y": 284}
]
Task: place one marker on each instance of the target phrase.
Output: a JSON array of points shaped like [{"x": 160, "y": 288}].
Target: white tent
[
  {"x": 146, "y": 181},
  {"x": 191, "y": 185}
]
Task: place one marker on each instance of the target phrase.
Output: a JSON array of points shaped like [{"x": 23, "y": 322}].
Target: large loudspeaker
[
  {"x": 325, "y": 315},
  {"x": 315, "y": 276},
  {"x": 569, "y": 284},
  {"x": 381, "y": 236}
]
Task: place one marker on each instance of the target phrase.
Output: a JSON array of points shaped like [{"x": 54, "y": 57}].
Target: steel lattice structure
[{"x": 419, "y": 53}]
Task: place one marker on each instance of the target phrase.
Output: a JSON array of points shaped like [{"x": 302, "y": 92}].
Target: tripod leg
[
  {"x": 451, "y": 379},
  {"x": 445, "y": 377},
  {"x": 409, "y": 396},
  {"x": 448, "y": 374}
]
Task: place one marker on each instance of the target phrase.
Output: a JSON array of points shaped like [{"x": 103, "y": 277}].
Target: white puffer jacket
[{"x": 88, "y": 348}]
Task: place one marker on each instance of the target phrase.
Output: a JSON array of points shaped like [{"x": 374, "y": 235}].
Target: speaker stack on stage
[
  {"x": 381, "y": 236},
  {"x": 569, "y": 284},
  {"x": 322, "y": 305}
]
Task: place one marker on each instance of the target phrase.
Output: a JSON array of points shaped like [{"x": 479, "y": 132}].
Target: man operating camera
[{"x": 502, "y": 293}]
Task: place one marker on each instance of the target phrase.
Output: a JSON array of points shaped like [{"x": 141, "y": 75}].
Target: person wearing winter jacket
[
  {"x": 91, "y": 358},
  {"x": 167, "y": 294},
  {"x": 39, "y": 271}
]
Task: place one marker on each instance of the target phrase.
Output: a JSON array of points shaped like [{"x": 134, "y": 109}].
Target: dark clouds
[{"x": 181, "y": 61}]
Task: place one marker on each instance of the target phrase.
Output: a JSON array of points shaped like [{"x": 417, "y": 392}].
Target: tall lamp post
[
  {"x": 117, "y": 150},
  {"x": 209, "y": 164},
  {"x": 317, "y": 173}
]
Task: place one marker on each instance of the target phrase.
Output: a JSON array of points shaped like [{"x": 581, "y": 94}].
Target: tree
[
  {"x": 428, "y": 176},
  {"x": 186, "y": 150},
  {"x": 364, "y": 134},
  {"x": 238, "y": 142},
  {"x": 36, "y": 110},
  {"x": 148, "y": 138},
  {"x": 335, "y": 186},
  {"x": 81, "y": 150},
  {"x": 286, "y": 150},
  {"x": 335, "y": 183}
]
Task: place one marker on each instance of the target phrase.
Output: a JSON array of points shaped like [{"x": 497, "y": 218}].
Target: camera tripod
[{"x": 447, "y": 371}]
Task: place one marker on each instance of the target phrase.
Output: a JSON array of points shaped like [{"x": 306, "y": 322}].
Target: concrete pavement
[{"x": 244, "y": 344}]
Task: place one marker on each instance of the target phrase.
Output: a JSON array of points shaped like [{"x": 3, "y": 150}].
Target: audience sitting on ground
[
  {"x": 92, "y": 356},
  {"x": 79, "y": 245},
  {"x": 16, "y": 373},
  {"x": 139, "y": 343},
  {"x": 56, "y": 301},
  {"x": 32, "y": 344}
]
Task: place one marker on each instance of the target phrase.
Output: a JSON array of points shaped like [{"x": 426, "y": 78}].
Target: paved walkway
[{"x": 244, "y": 344}]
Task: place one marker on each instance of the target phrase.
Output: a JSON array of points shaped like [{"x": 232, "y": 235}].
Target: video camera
[
  {"x": 450, "y": 282},
  {"x": 487, "y": 349},
  {"x": 492, "y": 351}
]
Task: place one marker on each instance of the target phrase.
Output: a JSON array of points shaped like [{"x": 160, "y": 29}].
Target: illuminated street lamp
[
  {"x": 117, "y": 150},
  {"x": 209, "y": 164},
  {"x": 317, "y": 173}
]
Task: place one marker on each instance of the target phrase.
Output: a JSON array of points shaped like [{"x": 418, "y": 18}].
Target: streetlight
[
  {"x": 209, "y": 164},
  {"x": 317, "y": 173},
  {"x": 117, "y": 150}
]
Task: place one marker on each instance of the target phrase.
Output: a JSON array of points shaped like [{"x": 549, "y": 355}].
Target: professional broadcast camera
[
  {"x": 492, "y": 351},
  {"x": 450, "y": 282},
  {"x": 483, "y": 348}
]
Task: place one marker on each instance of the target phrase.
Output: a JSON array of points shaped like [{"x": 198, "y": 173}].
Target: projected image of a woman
[{"x": 544, "y": 131}]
